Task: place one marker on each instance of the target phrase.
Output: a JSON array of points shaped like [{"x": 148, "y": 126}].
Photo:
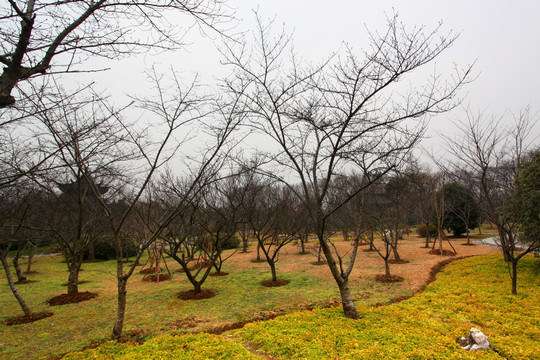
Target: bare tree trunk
[
  {"x": 245, "y": 236},
  {"x": 73, "y": 279},
  {"x": 14, "y": 290},
  {"x": 121, "y": 305},
  {"x": 386, "y": 267},
  {"x": 16, "y": 265},
  {"x": 273, "y": 269},
  {"x": 91, "y": 254},
  {"x": 303, "y": 239},
  {"x": 29, "y": 264},
  {"x": 349, "y": 308},
  {"x": 258, "y": 252},
  {"x": 428, "y": 235},
  {"x": 371, "y": 240}
]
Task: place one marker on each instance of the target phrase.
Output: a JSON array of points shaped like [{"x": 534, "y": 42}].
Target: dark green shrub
[
  {"x": 229, "y": 241},
  {"x": 421, "y": 230},
  {"x": 104, "y": 248}
]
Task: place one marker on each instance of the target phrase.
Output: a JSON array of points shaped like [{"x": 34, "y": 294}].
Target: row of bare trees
[{"x": 335, "y": 132}]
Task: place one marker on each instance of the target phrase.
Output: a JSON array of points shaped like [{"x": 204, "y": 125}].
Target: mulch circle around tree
[
  {"x": 180, "y": 270},
  {"x": 154, "y": 278},
  {"x": 369, "y": 250},
  {"x": 222, "y": 273},
  {"x": 148, "y": 270},
  {"x": 18, "y": 320},
  {"x": 444, "y": 252},
  {"x": 389, "y": 279},
  {"x": 277, "y": 283},
  {"x": 79, "y": 283},
  {"x": 192, "y": 295},
  {"x": 400, "y": 261},
  {"x": 318, "y": 263},
  {"x": 30, "y": 272},
  {"x": 256, "y": 261},
  {"x": 25, "y": 281},
  {"x": 71, "y": 299},
  {"x": 471, "y": 244}
]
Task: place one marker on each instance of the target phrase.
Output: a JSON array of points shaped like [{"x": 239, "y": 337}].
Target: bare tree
[
  {"x": 344, "y": 114},
  {"x": 85, "y": 138},
  {"x": 492, "y": 152},
  {"x": 271, "y": 217},
  {"x": 179, "y": 110},
  {"x": 13, "y": 214},
  {"x": 52, "y": 36}
]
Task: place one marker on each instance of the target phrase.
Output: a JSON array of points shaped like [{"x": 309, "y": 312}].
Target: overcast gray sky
[{"x": 502, "y": 37}]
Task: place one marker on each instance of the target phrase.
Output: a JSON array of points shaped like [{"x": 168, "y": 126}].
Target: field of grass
[
  {"x": 153, "y": 308},
  {"x": 469, "y": 293}
]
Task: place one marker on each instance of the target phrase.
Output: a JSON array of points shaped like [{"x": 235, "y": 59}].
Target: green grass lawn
[
  {"x": 473, "y": 292},
  {"x": 153, "y": 308}
]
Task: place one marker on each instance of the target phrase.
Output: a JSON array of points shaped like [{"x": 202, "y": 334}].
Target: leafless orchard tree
[
  {"x": 181, "y": 114},
  {"x": 53, "y": 36},
  {"x": 83, "y": 133},
  {"x": 13, "y": 214},
  {"x": 271, "y": 217},
  {"x": 346, "y": 114},
  {"x": 492, "y": 152}
]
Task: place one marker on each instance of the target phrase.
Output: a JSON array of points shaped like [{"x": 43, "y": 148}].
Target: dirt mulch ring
[
  {"x": 148, "y": 270},
  {"x": 471, "y": 244},
  {"x": 318, "y": 263},
  {"x": 79, "y": 283},
  {"x": 18, "y": 320},
  {"x": 192, "y": 295},
  {"x": 71, "y": 299},
  {"x": 444, "y": 252},
  {"x": 369, "y": 250},
  {"x": 389, "y": 279},
  {"x": 256, "y": 261},
  {"x": 400, "y": 261},
  {"x": 25, "y": 281},
  {"x": 277, "y": 283},
  {"x": 30, "y": 272},
  {"x": 222, "y": 273},
  {"x": 154, "y": 278},
  {"x": 179, "y": 270}
]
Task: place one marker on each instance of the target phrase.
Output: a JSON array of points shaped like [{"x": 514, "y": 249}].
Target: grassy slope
[{"x": 470, "y": 292}]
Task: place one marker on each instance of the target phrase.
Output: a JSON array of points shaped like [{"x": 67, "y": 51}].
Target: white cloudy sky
[{"x": 501, "y": 37}]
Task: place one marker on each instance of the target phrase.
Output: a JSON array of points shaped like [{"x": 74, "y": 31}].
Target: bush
[
  {"x": 229, "y": 241},
  {"x": 104, "y": 248},
  {"x": 421, "y": 230}
]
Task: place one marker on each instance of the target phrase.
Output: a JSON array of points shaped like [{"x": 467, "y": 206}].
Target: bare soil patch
[
  {"x": 277, "y": 283},
  {"x": 30, "y": 272},
  {"x": 18, "y": 320},
  {"x": 221, "y": 273},
  {"x": 389, "y": 278},
  {"x": 444, "y": 252},
  {"x": 192, "y": 295},
  {"x": 257, "y": 261},
  {"x": 400, "y": 261},
  {"x": 156, "y": 278},
  {"x": 25, "y": 281},
  {"x": 318, "y": 263},
  {"x": 71, "y": 299},
  {"x": 148, "y": 270}
]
